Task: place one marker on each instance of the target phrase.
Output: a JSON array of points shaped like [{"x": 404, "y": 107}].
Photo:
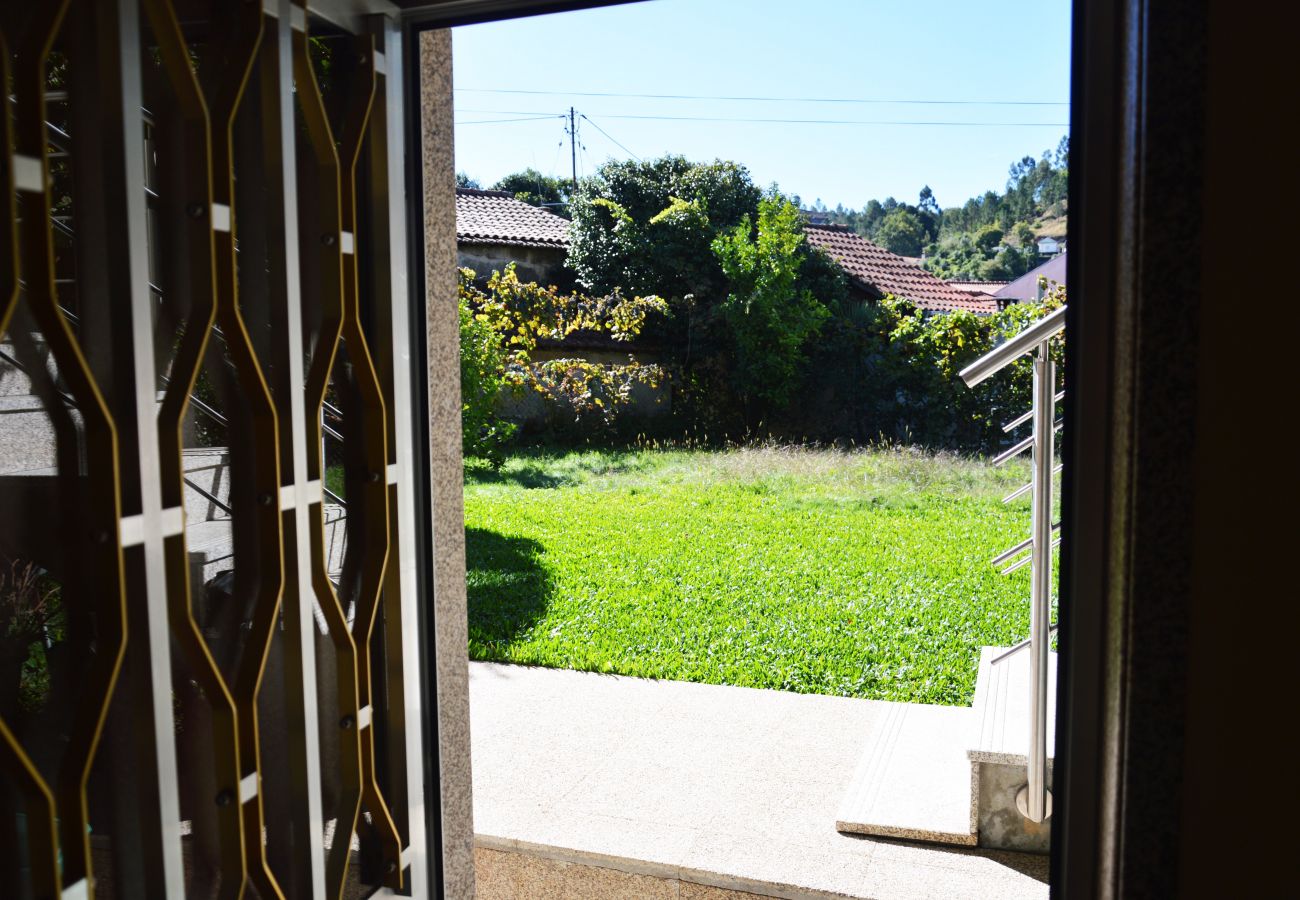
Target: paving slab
[{"x": 720, "y": 788}]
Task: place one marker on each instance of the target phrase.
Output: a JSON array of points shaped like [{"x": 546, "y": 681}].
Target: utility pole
[{"x": 573, "y": 147}]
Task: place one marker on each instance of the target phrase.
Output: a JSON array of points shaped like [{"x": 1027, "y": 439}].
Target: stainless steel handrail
[
  {"x": 1016, "y": 648},
  {"x": 1026, "y": 488},
  {"x": 1021, "y": 447},
  {"x": 1022, "y": 419},
  {"x": 1033, "y": 800},
  {"x": 1018, "y": 548},
  {"x": 1021, "y": 563},
  {"x": 1003, "y": 355}
]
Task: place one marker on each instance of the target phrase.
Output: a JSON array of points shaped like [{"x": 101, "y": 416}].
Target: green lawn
[{"x": 863, "y": 574}]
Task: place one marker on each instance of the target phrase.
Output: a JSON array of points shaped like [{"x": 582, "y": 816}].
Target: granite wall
[{"x": 450, "y": 622}]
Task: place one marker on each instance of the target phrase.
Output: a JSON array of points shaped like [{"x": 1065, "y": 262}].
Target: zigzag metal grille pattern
[{"x": 218, "y": 240}]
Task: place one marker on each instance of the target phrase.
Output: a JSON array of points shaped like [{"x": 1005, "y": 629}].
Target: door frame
[{"x": 1127, "y": 527}]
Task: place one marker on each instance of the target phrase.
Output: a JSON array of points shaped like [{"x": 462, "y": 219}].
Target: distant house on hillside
[
  {"x": 494, "y": 229},
  {"x": 1026, "y": 289},
  {"x": 1050, "y": 246},
  {"x": 874, "y": 272}
]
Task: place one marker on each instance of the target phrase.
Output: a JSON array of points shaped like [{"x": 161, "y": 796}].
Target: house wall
[
  {"x": 544, "y": 265},
  {"x": 646, "y": 402}
]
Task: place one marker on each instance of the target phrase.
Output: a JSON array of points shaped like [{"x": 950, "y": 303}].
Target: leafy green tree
[
  {"x": 988, "y": 238},
  {"x": 464, "y": 181},
  {"x": 770, "y": 319},
  {"x": 927, "y": 203},
  {"x": 536, "y": 189},
  {"x": 901, "y": 232},
  {"x": 647, "y": 226}
]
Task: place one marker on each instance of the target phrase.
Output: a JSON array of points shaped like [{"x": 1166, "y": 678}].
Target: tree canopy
[
  {"x": 732, "y": 264},
  {"x": 648, "y": 226},
  {"x": 536, "y": 189},
  {"x": 989, "y": 237},
  {"x": 770, "y": 317}
]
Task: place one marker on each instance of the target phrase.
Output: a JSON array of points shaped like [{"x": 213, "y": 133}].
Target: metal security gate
[{"x": 209, "y": 634}]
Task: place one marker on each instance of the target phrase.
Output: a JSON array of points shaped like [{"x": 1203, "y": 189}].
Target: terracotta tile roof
[
  {"x": 881, "y": 272},
  {"x": 979, "y": 288},
  {"x": 496, "y": 217}
]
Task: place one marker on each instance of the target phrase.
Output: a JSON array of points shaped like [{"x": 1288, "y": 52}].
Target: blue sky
[{"x": 876, "y": 50}]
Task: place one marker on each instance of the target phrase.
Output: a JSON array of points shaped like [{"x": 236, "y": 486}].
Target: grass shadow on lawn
[
  {"x": 529, "y": 475},
  {"x": 508, "y": 589},
  {"x": 542, "y": 468}
]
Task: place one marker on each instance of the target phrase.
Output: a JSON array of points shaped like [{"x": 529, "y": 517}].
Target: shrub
[
  {"x": 769, "y": 317},
  {"x": 909, "y": 386},
  {"x": 482, "y": 375},
  {"x": 501, "y": 329},
  {"x": 31, "y": 616}
]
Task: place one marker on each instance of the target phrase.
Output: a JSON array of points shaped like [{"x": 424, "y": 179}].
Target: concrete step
[
  {"x": 914, "y": 780},
  {"x": 1001, "y": 750},
  {"x": 210, "y": 546},
  {"x": 209, "y": 469},
  {"x": 26, "y": 434},
  {"x": 1002, "y": 703},
  {"x": 14, "y": 382},
  {"x": 950, "y": 775}
]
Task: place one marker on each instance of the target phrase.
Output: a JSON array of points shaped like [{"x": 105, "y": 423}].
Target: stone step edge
[{"x": 664, "y": 870}]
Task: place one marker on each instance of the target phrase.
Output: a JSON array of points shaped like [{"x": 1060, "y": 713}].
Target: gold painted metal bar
[
  {"x": 240, "y": 33},
  {"x": 192, "y": 119},
  {"x": 92, "y": 528},
  {"x": 388, "y": 301},
  {"x": 389, "y": 697},
  {"x": 372, "y": 431},
  {"x": 329, "y": 300},
  {"x": 38, "y": 805},
  {"x": 38, "y": 801},
  {"x": 302, "y": 828}
]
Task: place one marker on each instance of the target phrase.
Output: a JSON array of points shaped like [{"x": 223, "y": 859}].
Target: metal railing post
[
  {"x": 1034, "y": 801},
  {"x": 1036, "y": 808}
]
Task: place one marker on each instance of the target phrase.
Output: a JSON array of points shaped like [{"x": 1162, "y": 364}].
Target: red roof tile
[
  {"x": 978, "y": 288},
  {"x": 496, "y": 217},
  {"x": 881, "y": 272}
]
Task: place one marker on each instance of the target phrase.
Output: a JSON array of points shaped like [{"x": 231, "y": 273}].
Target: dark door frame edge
[{"x": 1107, "y": 80}]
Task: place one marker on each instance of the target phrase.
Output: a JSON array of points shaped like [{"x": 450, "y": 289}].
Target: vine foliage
[{"x": 517, "y": 339}]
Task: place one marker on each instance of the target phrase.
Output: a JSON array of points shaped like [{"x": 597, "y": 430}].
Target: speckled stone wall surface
[
  {"x": 511, "y": 876},
  {"x": 445, "y": 461}
]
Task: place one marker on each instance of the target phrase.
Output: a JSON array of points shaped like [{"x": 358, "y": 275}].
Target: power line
[
  {"x": 611, "y": 137},
  {"x": 503, "y": 121},
  {"x": 778, "y": 121},
  {"x": 871, "y": 100},
  {"x": 837, "y": 121}
]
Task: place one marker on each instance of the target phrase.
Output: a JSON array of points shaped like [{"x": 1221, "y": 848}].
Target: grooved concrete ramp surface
[
  {"x": 697, "y": 786},
  {"x": 914, "y": 780}
]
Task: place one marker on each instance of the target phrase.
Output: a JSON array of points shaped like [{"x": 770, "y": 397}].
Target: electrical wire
[
  {"x": 611, "y": 137},
  {"x": 745, "y": 99},
  {"x": 775, "y": 121},
  {"x": 503, "y": 121},
  {"x": 839, "y": 121}
]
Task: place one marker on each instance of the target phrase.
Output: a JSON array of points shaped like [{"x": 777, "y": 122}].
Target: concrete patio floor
[{"x": 590, "y": 785}]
